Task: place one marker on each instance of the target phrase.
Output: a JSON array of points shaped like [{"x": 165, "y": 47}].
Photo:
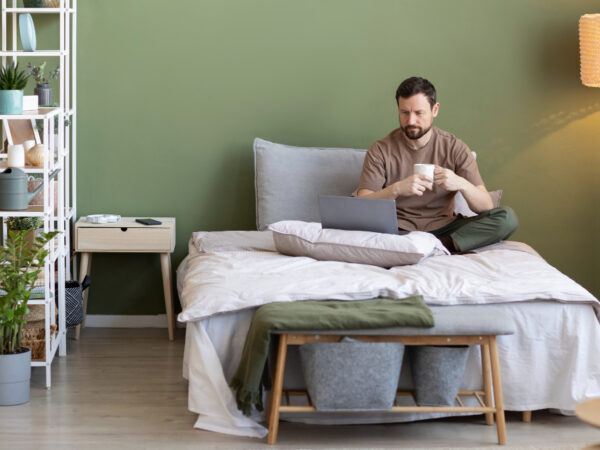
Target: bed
[{"x": 551, "y": 361}]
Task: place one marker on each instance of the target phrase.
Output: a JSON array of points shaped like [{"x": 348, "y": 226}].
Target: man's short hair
[{"x": 417, "y": 85}]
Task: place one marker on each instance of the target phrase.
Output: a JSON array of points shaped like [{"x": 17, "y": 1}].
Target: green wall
[{"x": 171, "y": 95}]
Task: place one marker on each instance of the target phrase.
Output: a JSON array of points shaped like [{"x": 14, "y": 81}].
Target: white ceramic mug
[
  {"x": 16, "y": 156},
  {"x": 425, "y": 169}
]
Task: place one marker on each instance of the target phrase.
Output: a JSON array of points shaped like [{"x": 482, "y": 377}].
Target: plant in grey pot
[
  {"x": 12, "y": 83},
  {"x": 20, "y": 265},
  {"x": 42, "y": 85}
]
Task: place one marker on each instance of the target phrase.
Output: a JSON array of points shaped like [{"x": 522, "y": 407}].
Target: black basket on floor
[{"x": 74, "y": 301}]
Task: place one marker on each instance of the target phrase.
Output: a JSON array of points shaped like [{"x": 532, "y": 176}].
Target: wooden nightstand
[{"x": 128, "y": 236}]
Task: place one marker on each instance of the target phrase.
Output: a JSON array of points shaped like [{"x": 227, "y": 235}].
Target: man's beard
[{"x": 415, "y": 133}]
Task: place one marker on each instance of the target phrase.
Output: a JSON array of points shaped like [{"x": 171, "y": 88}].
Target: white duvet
[
  {"x": 551, "y": 362},
  {"x": 231, "y": 271}
]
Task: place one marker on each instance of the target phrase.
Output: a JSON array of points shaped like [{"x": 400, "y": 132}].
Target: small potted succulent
[
  {"x": 42, "y": 84},
  {"x": 20, "y": 265},
  {"x": 12, "y": 83}
]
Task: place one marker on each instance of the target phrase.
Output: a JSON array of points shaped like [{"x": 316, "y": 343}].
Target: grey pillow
[{"x": 289, "y": 179}]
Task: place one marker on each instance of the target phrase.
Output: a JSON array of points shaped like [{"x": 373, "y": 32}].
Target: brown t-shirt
[{"x": 390, "y": 160}]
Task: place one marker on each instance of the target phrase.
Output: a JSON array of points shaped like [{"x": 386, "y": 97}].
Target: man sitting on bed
[{"x": 422, "y": 203}]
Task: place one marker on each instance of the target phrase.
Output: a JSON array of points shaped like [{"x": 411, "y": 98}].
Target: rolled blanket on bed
[{"x": 252, "y": 372}]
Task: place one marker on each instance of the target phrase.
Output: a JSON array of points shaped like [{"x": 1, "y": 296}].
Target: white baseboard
[{"x": 118, "y": 321}]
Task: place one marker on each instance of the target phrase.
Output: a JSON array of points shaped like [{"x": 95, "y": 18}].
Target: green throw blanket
[{"x": 252, "y": 372}]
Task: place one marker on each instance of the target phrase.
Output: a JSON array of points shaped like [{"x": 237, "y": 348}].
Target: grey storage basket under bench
[
  {"x": 437, "y": 372},
  {"x": 352, "y": 375},
  {"x": 460, "y": 326}
]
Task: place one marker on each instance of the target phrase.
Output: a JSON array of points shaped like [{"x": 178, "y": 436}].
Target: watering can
[{"x": 13, "y": 189}]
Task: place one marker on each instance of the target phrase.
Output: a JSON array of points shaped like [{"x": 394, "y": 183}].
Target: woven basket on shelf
[{"x": 35, "y": 339}]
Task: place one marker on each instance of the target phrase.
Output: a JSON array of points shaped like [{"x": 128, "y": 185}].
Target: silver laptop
[{"x": 356, "y": 213}]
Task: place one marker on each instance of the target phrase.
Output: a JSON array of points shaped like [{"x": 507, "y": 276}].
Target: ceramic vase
[
  {"x": 44, "y": 93},
  {"x": 16, "y": 156}
]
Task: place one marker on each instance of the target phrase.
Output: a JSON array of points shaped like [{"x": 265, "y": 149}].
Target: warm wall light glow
[{"x": 589, "y": 49}]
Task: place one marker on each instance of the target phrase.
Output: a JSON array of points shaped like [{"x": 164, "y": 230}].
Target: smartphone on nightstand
[{"x": 148, "y": 221}]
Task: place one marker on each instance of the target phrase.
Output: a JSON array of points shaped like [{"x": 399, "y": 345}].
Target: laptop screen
[{"x": 357, "y": 213}]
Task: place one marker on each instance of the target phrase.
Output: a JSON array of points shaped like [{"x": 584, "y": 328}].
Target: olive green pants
[{"x": 483, "y": 229}]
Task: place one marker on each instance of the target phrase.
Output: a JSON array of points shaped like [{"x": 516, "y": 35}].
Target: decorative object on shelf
[
  {"x": 33, "y": 226},
  {"x": 102, "y": 218},
  {"x": 44, "y": 94},
  {"x": 12, "y": 83},
  {"x": 42, "y": 86},
  {"x": 27, "y": 32},
  {"x": 30, "y": 102},
  {"x": 13, "y": 189},
  {"x": 25, "y": 262},
  {"x": 16, "y": 156},
  {"x": 24, "y": 223},
  {"x": 41, "y": 3},
  {"x": 35, "y": 155}
]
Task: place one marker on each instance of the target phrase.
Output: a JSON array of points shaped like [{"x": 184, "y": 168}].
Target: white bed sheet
[
  {"x": 550, "y": 362},
  {"x": 225, "y": 279}
]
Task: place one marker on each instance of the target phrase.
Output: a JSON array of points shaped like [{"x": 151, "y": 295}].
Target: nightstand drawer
[{"x": 132, "y": 239}]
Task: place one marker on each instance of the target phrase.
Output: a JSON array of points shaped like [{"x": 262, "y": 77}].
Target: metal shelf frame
[{"x": 60, "y": 140}]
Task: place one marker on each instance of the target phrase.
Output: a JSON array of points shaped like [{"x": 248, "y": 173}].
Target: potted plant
[
  {"x": 20, "y": 265},
  {"x": 42, "y": 86},
  {"x": 12, "y": 83},
  {"x": 29, "y": 224}
]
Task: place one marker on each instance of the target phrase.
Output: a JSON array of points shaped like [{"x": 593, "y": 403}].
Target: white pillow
[{"x": 296, "y": 238}]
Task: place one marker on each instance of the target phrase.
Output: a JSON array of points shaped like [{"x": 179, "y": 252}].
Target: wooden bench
[{"x": 456, "y": 325}]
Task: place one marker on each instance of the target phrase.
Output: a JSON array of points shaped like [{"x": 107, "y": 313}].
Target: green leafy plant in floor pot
[
  {"x": 20, "y": 264},
  {"x": 12, "y": 83}
]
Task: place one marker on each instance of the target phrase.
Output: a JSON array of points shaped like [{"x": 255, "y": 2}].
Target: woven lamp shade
[{"x": 589, "y": 49}]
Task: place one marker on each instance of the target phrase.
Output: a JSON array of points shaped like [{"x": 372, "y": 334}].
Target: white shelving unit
[{"x": 60, "y": 138}]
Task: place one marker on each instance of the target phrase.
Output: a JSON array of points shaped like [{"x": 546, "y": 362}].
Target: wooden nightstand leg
[
  {"x": 85, "y": 267},
  {"x": 165, "y": 264}
]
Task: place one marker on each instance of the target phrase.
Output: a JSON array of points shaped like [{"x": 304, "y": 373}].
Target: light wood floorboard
[{"x": 122, "y": 388}]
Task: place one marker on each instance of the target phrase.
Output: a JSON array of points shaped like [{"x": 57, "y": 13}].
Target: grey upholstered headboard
[{"x": 289, "y": 179}]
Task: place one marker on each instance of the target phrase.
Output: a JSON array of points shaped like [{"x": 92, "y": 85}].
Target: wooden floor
[{"x": 122, "y": 388}]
